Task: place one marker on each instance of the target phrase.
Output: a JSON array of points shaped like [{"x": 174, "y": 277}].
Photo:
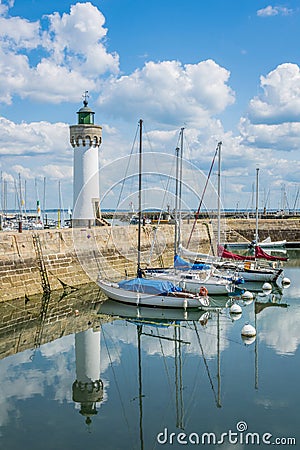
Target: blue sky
[{"x": 225, "y": 70}]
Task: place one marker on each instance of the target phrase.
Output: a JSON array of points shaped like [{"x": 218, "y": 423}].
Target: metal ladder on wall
[
  {"x": 41, "y": 262},
  {"x": 45, "y": 286}
]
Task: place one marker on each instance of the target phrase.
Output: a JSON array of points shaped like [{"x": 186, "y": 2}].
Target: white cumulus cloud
[
  {"x": 32, "y": 138},
  {"x": 70, "y": 54},
  {"x": 273, "y": 119},
  {"x": 280, "y": 99},
  {"x": 78, "y": 38},
  {"x": 274, "y": 11},
  {"x": 170, "y": 92}
]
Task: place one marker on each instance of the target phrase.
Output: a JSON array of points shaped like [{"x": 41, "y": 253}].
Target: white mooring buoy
[
  {"x": 235, "y": 309},
  {"x": 248, "y": 330},
  {"x": 247, "y": 295},
  {"x": 248, "y": 334},
  {"x": 286, "y": 282},
  {"x": 267, "y": 287},
  {"x": 248, "y": 340}
]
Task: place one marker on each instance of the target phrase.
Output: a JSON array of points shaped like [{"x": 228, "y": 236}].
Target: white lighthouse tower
[{"x": 86, "y": 138}]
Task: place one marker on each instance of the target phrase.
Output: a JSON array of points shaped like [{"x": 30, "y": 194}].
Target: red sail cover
[
  {"x": 259, "y": 253},
  {"x": 226, "y": 254}
]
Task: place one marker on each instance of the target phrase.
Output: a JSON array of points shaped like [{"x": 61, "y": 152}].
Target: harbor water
[{"x": 126, "y": 379}]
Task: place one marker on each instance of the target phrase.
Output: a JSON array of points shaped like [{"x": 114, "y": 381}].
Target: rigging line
[
  {"x": 115, "y": 379},
  {"x": 164, "y": 360},
  {"x": 192, "y": 384},
  {"x": 154, "y": 240},
  {"x": 225, "y": 338},
  {"x": 202, "y": 197},
  {"x": 193, "y": 387},
  {"x": 206, "y": 365},
  {"x": 127, "y": 168},
  {"x": 17, "y": 196},
  {"x": 296, "y": 200},
  {"x": 161, "y": 177}
]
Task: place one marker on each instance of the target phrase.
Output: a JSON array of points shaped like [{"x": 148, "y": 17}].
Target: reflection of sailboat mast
[
  {"x": 217, "y": 397},
  {"x": 256, "y": 348},
  {"x": 219, "y": 360},
  {"x": 178, "y": 378},
  {"x": 139, "y": 333}
]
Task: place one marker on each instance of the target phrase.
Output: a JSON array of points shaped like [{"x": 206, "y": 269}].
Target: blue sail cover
[
  {"x": 149, "y": 286},
  {"x": 180, "y": 263}
]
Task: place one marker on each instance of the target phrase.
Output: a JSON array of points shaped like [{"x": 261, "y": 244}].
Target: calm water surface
[{"x": 151, "y": 378}]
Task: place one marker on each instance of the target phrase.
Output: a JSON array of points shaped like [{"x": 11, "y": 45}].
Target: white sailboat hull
[
  {"x": 173, "y": 300},
  {"x": 254, "y": 274},
  {"x": 214, "y": 286},
  {"x": 217, "y": 288},
  {"x": 259, "y": 275},
  {"x": 270, "y": 244}
]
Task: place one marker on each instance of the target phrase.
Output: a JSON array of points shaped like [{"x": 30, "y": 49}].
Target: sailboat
[
  {"x": 193, "y": 277},
  {"x": 266, "y": 243},
  {"x": 246, "y": 267},
  {"x": 150, "y": 292}
]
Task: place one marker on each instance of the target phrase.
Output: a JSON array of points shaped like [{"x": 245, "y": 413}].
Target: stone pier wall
[
  {"x": 278, "y": 229},
  {"x": 74, "y": 257}
]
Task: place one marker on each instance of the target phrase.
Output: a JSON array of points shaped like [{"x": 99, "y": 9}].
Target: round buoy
[
  {"x": 235, "y": 309},
  {"x": 247, "y": 301},
  {"x": 248, "y": 330},
  {"x": 267, "y": 287},
  {"x": 235, "y": 317},
  {"x": 247, "y": 295},
  {"x": 248, "y": 340},
  {"x": 286, "y": 282},
  {"x": 204, "y": 301},
  {"x": 204, "y": 318}
]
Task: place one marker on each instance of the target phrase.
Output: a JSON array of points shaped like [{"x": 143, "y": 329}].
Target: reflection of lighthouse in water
[{"x": 88, "y": 388}]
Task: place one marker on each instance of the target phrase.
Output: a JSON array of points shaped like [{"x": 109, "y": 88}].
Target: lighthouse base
[
  {"x": 83, "y": 223},
  {"x": 88, "y": 223}
]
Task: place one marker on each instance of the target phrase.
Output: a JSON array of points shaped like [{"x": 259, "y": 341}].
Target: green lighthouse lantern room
[{"x": 85, "y": 114}]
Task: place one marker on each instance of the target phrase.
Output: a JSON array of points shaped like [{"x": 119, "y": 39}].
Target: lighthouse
[{"x": 86, "y": 138}]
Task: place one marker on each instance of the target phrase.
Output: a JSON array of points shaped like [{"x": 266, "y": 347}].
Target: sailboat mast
[
  {"x": 140, "y": 200},
  {"x": 176, "y": 202},
  {"x": 256, "y": 208},
  {"x": 178, "y": 194},
  {"x": 180, "y": 187},
  {"x": 219, "y": 195}
]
